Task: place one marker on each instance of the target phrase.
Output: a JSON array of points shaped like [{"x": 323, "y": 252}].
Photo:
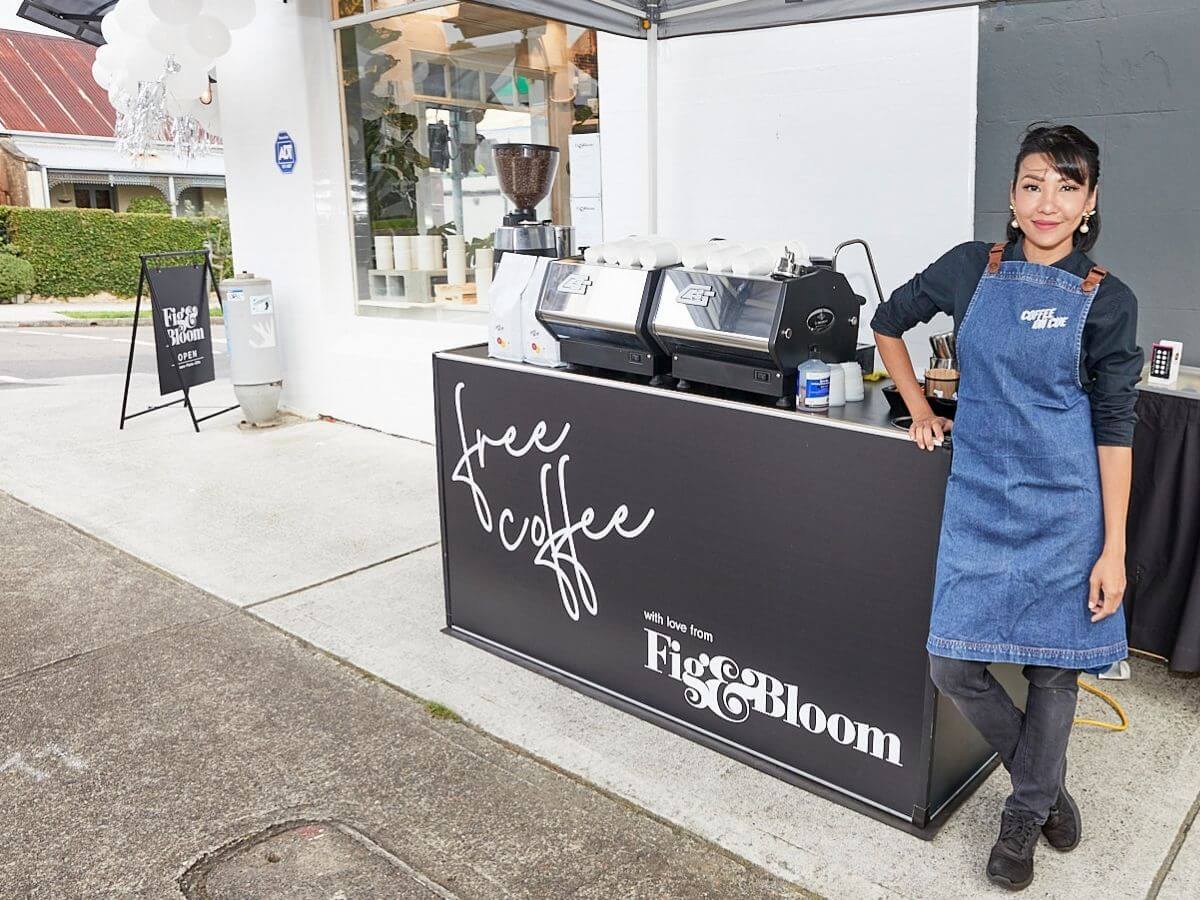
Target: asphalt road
[{"x": 38, "y": 354}]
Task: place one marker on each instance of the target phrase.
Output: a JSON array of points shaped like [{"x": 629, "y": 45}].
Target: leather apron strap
[
  {"x": 994, "y": 255},
  {"x": 1094, "y": 277}
]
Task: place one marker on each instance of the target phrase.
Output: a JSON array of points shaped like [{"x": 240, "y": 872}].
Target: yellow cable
[{"x": 1111, "y": 701}]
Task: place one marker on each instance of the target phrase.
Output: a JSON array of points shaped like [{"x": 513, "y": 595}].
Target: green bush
[
  {"x": 79, "y": 252},
  {"x": 16, "y": 276},
  {"x": 150, "y": 204}
]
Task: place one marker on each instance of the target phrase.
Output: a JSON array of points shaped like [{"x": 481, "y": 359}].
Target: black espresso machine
[
  {"x": 751, "y": 332},
  {"x": 600, "y": 313}
]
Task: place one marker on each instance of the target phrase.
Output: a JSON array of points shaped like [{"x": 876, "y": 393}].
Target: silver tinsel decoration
[{"x": 144, "y": 123}]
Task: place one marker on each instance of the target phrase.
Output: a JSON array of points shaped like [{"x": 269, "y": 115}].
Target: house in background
[{"x": 57, "y": 124}]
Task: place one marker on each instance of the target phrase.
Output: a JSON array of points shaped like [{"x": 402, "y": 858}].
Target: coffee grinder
[{"x": 526, "y": 173}]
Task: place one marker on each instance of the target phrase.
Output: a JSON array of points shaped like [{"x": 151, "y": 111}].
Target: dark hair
[{"x": 1073, "y": 155}]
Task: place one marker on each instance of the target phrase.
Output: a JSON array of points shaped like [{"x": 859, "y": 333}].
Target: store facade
[{"x": 759, "y": 134}]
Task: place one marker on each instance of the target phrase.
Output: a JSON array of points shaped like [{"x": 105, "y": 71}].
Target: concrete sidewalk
[
  {"x": 152, "y": 736},
  {"x": 329, "y": 532}
]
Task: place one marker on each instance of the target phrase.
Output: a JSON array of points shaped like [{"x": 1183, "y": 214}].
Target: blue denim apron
[{"x": 1023, "y": 522}]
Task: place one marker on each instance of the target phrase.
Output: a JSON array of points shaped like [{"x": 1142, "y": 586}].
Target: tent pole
[{"x": 652, "y": 129}]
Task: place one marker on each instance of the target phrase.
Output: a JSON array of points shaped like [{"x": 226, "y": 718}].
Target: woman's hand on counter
[
  {"x": 1107, "y": 585},
  {"x": 929, "y": 430}
]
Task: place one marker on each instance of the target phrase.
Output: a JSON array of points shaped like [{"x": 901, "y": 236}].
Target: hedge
[
  {"x": 79, "y": 252},
  {"x": 151, "y": 204},
  {"x": 16, "y": 276}
]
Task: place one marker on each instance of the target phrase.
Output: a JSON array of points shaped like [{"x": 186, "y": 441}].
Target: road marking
[
  {"x": 78, "y": 337},
  {"x": 13, "y": 379},
  {"x": 16, "y": 763}
]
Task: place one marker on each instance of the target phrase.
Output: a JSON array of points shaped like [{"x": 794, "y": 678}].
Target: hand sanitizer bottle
[{"x": 812, "y": 383}]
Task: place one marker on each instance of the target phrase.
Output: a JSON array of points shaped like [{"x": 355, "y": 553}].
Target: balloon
[
  {"x": 234, "y": 14},
  {"x": 209, "y": 37},
  {"x": 112, "y": 27},
  {"x": 176, "y": 12},
  {"x": 166, "y": 38},
  {"x": 136, "y": 17},
  {"x": 101, "y": 74},
  {"x": 145, "y": 63}
]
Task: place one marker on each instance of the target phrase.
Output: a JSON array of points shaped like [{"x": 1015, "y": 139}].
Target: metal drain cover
[{"x": 306, "y": 861}]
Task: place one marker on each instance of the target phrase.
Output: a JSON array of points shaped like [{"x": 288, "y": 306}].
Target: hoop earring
[
  {"x": 1085, "y": 227},
  {"x": 1014, "y": 222}
]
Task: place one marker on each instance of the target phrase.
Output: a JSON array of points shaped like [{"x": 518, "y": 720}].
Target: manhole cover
[{"x": 306, "y": 861}]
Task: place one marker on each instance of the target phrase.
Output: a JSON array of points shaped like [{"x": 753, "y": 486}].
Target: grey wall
[{"x": 1127, "y": 72}]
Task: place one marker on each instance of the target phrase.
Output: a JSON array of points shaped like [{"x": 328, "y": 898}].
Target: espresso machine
[
  {"x": 526, "y": 173},
  {"x": 751, "y": 332},
  {"x": 600, "y": 315}
]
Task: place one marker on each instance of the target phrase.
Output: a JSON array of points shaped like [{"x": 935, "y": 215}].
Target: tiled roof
[{"x": 46, "y": 85}]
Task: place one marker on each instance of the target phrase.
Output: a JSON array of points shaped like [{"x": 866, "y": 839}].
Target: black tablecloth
[{"x": 1163, "y": 535}]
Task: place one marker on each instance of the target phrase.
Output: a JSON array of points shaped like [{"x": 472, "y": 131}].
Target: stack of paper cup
[
  {"x": 383, "y": 252},
  {"x": 429, "y": 252},
  {"x": 483, "y": 273},
  {"x": 402, "y": 251},
  {"x": 456, "y": 259},
  {"x": 594, "y": 254}
]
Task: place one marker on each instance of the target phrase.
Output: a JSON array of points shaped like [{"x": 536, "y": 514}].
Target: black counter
[{"x": 756, "y": 579}]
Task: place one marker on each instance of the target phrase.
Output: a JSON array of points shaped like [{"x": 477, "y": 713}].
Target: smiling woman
[{"x": 1031, "y": 555}]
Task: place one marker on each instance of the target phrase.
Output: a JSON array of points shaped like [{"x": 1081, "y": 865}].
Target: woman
[{"x": 1031, "y": 561}]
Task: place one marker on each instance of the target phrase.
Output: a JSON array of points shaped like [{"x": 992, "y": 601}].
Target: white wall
[{"x": 826, "y": 131}]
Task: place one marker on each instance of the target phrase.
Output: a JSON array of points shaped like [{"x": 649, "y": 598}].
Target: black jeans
[{"x": 1033, "y": 744}]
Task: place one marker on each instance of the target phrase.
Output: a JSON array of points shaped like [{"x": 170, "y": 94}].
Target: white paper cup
[
  {"x": 485, "y": 258},
  {"x": 456, "y": 243},
  {"x": 402, "y": 251},
  {"x": 854, "y": 388},
  {"x": 758, "y": 261},
  {"x": 483, "y": 281},
  {"x": 456, "y": 266},
  {"x": 627, "y": 253},
  {"x": 383, "y": 253},
  {"x": 429, "y": 252},
  {"x": 594, "y": 254},
  {"x": 658, "y": 254},
  {"x": 837, "y": 385},
  {"x": 718, "y": 260}
]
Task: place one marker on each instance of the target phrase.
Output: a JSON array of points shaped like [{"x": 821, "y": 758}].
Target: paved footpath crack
[{"x": 1176, "y": 845}]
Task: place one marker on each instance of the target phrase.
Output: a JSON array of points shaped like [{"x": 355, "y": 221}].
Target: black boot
[
  {"x": 1011, "y": 862},
  {"x": 1064, "y": 827}
]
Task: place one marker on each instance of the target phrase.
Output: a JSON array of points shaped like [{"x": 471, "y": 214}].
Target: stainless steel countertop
[{"x": 869, "y": 416}]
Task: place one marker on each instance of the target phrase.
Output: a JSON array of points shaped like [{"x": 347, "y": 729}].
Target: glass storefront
[{"x": 426, "y": 96}]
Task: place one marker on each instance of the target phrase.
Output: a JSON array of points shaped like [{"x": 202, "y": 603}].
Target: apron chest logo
[{"x": 1039, "y": 319}]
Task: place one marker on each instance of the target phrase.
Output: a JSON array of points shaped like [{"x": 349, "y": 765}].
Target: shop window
[{"x": 426, "y": 96}]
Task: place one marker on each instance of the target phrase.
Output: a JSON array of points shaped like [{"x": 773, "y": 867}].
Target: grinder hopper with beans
[{"x": 526, "y": 173}]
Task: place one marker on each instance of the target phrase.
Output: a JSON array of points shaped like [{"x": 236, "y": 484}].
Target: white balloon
[
  {"x": 176, "y": 12},
  {"x": 101, "y": 75},
  {"x": 209, "y": 37},
  {"x": 166, "y": 37},
  {"x": 234, "y": 14},
  {"x": 146, "y": 63},
  {"x": 112, "y": 27},
  {"x": 136, "y": 17}
]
